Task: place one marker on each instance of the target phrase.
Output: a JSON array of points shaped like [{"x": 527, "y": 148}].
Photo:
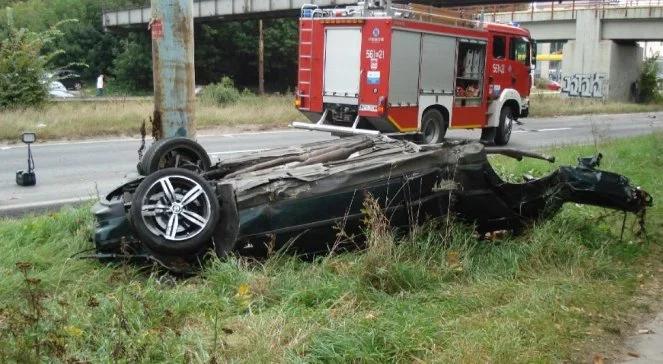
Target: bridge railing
[
  {"x": 132, "y": 5},
  {"x": 565, "y": 6}
]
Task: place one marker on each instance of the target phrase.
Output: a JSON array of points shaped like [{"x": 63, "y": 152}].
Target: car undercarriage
[{"x": 303, "y": 196}]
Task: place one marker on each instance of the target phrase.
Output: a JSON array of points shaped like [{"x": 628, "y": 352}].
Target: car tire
[
  {"x": 179, "y": 152},
  {"x": 175, "y": 211},
  {"x": 503, "y": 133},
  {"x": 433, "y": 127}
]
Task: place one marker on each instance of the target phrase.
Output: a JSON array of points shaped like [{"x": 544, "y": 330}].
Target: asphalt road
[{"x": 69, "y": 172}]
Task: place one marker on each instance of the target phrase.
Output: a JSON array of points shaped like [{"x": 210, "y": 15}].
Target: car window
[
  {"x": 499, "y": 43},
  {"x": 519, "y": 50}
]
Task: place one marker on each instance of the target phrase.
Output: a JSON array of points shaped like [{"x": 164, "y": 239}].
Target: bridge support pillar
[
  {"x": 173, "y": 68},
  {"x": 544, "y": 66},
  {"x": 597, "y": 68}
]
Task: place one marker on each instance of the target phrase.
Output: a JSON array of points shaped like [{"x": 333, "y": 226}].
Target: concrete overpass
[
  {"x": 242, "y": 9},
  {"x": 601, "y": 56},
  {"x": 220, "y": 10},
  {"x": 621, "y": 23}
]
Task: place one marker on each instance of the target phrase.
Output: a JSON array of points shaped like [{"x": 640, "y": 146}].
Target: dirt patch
[
  {"x": 647, "y": 345},
  {"x": 643, "y": 343},
  {"x": 636, "y": 335}
]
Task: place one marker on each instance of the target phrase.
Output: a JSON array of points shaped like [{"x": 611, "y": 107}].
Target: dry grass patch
[
  {"x": 544, "y": 105},
  {"x": 77, "y": 120},
  {"x": 73, "y": 120}
]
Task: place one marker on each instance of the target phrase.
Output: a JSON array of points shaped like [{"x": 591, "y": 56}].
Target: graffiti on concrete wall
[{"x": 584, "y": 85}]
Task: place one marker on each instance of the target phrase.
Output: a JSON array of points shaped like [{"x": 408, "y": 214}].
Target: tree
[
  {"x": 88, "y": 47},
  {"x": 132, "y": 67},
  {"x": 22, "y": 65},
  {"x": 649, "y": 80},
  {"x": 224, "y": 48}
]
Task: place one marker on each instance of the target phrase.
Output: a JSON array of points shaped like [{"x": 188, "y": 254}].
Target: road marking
[
  {"x": 50, "y": 144},
  {"x": 539, "y": 130},
  {"x": 231, "y": 135},
  {"x": 124, "y": 140},
  {"x": 555, "y": 129}
]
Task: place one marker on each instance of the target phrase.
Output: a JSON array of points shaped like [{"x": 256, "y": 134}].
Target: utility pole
[
  {"x": 261, "y": 59},
  {"x": 173, "y": 73}
]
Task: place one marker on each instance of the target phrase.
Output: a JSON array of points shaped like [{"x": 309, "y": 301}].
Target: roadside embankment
[
  {"x": 124, "y": 117},
  {"x": 561, "y": 291},
  {"x": 80, "y": 120}
]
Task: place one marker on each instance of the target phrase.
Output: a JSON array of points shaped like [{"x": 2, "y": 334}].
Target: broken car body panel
[{"x": 311, "y": 191}]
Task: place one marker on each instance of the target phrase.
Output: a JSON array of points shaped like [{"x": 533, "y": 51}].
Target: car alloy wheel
[{"x": 176, "y": 207}]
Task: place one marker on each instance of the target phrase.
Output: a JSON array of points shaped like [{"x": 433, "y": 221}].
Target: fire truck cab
[{"x": 376, "y": 70}]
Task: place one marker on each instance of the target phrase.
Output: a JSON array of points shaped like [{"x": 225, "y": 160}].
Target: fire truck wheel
[
  {"x": 179, "y": 152},
  {"x": 433, "y": 127},
  {"x": 506, "y": 124}
]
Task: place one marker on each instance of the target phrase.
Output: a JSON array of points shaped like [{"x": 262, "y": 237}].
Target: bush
[
  {"x": 221, "y": 93},
  {"x": 648, "y": 81}
]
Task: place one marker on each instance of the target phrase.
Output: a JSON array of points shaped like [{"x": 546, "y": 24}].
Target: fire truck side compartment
[
  {"x": 438, "y": 57},
  {"x": 342, "y": 66},
  {"x": 437, "y": 64},
  {"x": 404, "y": 70}
]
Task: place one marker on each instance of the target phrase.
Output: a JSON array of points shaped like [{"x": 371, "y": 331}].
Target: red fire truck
[{"x": 366, "y": 70}]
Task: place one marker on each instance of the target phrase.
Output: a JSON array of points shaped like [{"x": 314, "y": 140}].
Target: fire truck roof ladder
[
  {"x": 408, "y": 12},
  {"x": 305, "y": 55}
]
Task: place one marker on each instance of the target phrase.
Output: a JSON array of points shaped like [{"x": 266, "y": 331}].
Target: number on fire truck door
[{"x": 499, "y": 67}]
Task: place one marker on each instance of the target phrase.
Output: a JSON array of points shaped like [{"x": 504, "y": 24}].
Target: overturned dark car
[{"x": 186, "y": 207}]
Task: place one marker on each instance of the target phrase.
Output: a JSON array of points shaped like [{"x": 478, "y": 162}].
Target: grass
[
  {"x": 548, "y": 105},
  {"x": 557, "y": 293},
  {"x": 75, "y": 120}
]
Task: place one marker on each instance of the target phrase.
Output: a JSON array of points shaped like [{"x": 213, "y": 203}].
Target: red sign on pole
[{"x": 157, "y": 29}]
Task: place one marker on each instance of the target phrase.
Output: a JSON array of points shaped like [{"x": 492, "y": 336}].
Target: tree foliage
[
  {"x": 132, "y": 66},
  {"x": 230, "y": 48},
  {"x": 649, "y": 80},
  {"x": 23, "y": 62},
  {"x": 221, "y": 48}
]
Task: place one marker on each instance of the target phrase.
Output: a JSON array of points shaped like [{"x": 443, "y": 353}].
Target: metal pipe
[
  {"x": 334, "y": 129},
  {"x": 173, "y": 68},
  {"x": 518, "y": 154}
]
